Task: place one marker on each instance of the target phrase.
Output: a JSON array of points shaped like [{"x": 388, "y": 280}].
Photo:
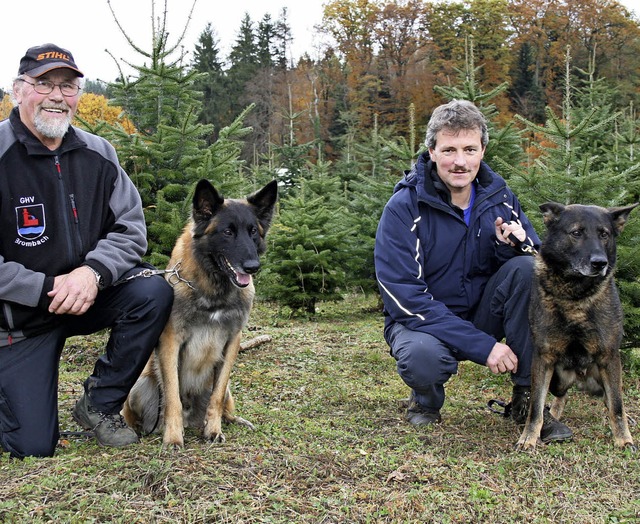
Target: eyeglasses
[{"x": 44, "y": 87}]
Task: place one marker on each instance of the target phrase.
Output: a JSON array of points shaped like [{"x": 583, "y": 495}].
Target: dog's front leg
[
  {"x": 168, "y": 359},
  {"x": 612, "y": 383},
  {"x": 541, "y": 374},
  {"x": 215, "y": 409}
]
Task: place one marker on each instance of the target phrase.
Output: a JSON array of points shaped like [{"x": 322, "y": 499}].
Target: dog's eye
[
  {"x": 604, "y": 235},
  {"x": 576, "y": 233},
  {"x": 228, "y": 232},
  {"x": 253, "y": 231}
]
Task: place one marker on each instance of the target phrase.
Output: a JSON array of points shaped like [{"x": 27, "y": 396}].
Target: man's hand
[
  {"x": 502, "y": 359},
  {"x": 504, "y": 229},
  {"x": 73, "y": 293}
]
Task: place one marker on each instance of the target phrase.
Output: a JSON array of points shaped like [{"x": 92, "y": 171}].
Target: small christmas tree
[{"x": 305, "y": 259}]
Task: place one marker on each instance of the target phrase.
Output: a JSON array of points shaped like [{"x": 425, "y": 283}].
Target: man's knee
[
  {"x": 155, "y": 288},
  {"x": 30, "y": 433},
  {"x": 420, "y": 372},
  {"x": 422, "y": 360},
  {"x": 521, "y": 270},
  {"x": 162, "y": 294},
  {"x": 153, "y": 295},
  {"x": 29, "y": 395},
  {"x": 31, "y": 448}
]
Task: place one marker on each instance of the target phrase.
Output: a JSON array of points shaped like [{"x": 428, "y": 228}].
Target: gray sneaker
[{"x": 109, "y": 429}]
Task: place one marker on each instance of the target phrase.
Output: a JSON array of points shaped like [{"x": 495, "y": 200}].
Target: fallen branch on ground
[{"x": 255, "y": 342}]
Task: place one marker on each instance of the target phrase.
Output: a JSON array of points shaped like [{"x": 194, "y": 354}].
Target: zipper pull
[
  {"x": 57, "y": 163},
  {"x": 73, "y": 207}
]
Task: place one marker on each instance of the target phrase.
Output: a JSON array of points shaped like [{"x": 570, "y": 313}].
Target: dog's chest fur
[
  {"x": 562, "y": 320},
  {"x": 212, "y": 325}
]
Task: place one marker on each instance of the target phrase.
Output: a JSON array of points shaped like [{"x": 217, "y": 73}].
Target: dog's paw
[
  {"x": 173, "y": 434},
  {"x": 172, "y": 444},
  {"x": 213, "y": 431},
  {"x": 630, "y": 447},
  {"x": 216, "y": 438},
  {"x": 526, "y": 444}
]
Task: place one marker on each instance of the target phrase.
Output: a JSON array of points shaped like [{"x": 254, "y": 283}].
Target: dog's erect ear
[
  {"x": 619, "y": 215},
  {"x": 206, "y": 201},
  {"x": 264, "y": 202},
  {"x": 551, "y": 211}
]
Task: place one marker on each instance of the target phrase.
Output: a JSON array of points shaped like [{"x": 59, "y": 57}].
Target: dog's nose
[
  {"x": 251, "y": 266},
  {"x": 599, "y": 263}
]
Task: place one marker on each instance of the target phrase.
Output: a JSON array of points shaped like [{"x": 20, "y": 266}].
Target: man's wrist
[{"x": 99, "y": 279}]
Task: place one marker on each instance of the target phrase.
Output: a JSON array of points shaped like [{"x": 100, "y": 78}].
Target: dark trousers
[
  {"x": 426, "y": 364},
  {"x": 135, "y": 312}
]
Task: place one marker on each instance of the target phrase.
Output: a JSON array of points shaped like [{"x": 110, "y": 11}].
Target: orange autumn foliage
[
  {"x": 6, "y": 105},
  {"x": 92, "y": 108}
]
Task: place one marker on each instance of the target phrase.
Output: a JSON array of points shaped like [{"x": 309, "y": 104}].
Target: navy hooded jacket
[{"x": 431, "y": 267}]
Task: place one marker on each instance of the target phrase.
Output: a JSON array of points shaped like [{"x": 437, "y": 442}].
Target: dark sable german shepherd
[
  {"x": 185, "y": 382},
  {"x": 575, "y": 315}
]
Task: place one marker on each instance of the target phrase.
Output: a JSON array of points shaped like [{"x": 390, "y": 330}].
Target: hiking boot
[
  {"x": 552, "y": 429},
  {"x": 109, "y": 429},
  {"x": 421, "y": 416},
  {"x": 518, "y": 408}
]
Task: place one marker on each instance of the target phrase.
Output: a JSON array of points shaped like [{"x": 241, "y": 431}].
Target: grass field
[{"x": 331, "y": 446}]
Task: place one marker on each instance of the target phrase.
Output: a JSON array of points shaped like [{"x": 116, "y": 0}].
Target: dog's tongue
[{"x": 243, "y": 278}]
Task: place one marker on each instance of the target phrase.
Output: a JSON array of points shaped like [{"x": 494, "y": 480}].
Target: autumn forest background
[{"x": 557, "y": 79}]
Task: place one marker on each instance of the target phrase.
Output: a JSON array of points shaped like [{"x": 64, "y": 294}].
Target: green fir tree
[
  {"x": 305, "y": 259},
  {"x": 378, "y": 162},
  {"x": 213, "y": 84},
  {"x": 169, "y": 151}
]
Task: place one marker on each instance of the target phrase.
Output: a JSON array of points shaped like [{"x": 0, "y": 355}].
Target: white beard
[{"x": 51, "y": 128}]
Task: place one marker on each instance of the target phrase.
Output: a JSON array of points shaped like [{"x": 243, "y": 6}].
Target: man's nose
[{"x": 459, "y": 158}]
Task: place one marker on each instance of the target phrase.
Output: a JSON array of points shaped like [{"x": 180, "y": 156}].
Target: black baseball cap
[{"x": 43, "y": 58}]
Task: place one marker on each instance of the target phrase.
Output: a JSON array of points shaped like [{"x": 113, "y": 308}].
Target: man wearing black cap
[{"x": 73, "y": 230}]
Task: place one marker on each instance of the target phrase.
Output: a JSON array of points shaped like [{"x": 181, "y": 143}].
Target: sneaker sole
[{"x": 563, "y": 437}]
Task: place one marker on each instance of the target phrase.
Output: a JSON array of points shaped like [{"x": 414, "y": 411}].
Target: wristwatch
[{"x": 99, "y": 279}]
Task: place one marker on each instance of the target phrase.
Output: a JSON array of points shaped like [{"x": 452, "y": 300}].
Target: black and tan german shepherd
[
  {"x": 185, "y": 382},
  {"x": 576, "y": 316}
]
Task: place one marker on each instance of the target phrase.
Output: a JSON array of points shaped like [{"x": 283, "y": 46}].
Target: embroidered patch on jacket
[{"x": 31, "y": 221}]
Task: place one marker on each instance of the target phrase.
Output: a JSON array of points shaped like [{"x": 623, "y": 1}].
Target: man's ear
[{"x": 17, "y": 91}]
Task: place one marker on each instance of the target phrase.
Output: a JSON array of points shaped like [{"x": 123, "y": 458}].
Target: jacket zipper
[
  {"x": 67, "y": 223},
  {"x": 8, "y": 316}
]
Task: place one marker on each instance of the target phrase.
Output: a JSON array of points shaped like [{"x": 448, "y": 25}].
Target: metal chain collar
[{"x": 174, "y": 275}]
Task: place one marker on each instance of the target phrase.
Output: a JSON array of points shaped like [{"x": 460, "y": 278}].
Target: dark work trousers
[
  {"x": 426, "y": 364},
  {"x": 136, "y": 313}
]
